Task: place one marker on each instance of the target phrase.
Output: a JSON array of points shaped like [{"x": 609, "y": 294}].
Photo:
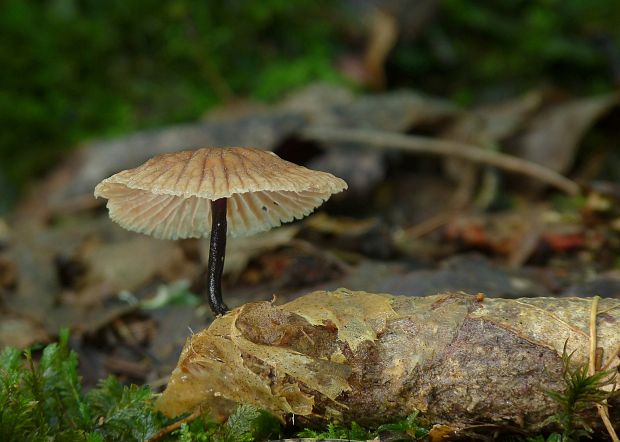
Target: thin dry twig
[
  {"x": 602, "y": 408},
  {"x": 525, "y": 247},
  {"x": 575, "y": 329},
  {"x": 592, "y": 353},
  {"x": 175, "y": 426},
  {"x": 159, "y": 382},
  {"x": 610, "y": 359},
  {"x": 429, "y": 225},
  {"x": 328, "y": 256},
  {"x": 382, "y": 38},
  {"x": 419, "y": 144}
]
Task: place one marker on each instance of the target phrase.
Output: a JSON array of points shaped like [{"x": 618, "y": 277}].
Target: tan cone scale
[{"x": 169, "y": 196}]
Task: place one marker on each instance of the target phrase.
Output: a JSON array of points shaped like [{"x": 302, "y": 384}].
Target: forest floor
[{"x": 512, "y": 199}]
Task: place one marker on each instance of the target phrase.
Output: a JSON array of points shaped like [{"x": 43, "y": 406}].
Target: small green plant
[
  {"x": 403, "y": 430},
  {"x": 337, "y": 431},
  {"x": 121, "y": 412},
  {"x": 581, "y": 392},
  {"x": 553, "y": 437},
  {"x": 246, "y": 424},
  {"x": 408, "y": 426}
]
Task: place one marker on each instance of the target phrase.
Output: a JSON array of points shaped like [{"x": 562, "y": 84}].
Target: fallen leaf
[
  {"x": 441, "y": 432},
  {"x": 130, "y": 264},
  {"x": 8, "y": 274},
  {"x": 21, "y": 332},
  {"x": 383, "y": 34},
  {"x": 5, "y": 233},
  {"x": 486, "y": 126},
  {"x": 324, "y": 223},
  {"x": 552, "y": 138}
]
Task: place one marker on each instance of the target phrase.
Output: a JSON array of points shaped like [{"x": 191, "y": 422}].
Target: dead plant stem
[
  {"x": 419, "y": 144},
  {"x": 602, "y": 407},
  {"x": 592, "y": 353},
  {"x": 175, "y": 426}
]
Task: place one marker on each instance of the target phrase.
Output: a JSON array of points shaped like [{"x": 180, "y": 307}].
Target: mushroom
[{"x": 214, "y": 191}]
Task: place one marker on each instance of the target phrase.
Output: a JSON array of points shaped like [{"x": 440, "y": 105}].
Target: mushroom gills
[{"x": 175, "y": 217}]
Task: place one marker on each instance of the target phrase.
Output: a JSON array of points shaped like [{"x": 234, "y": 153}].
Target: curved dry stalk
[
  {"x": 602, "y": 408},
  {"x": 610, "y": 359},
  {"x": 592, "y": 352},
  {"x": 175, "y": 426},
  {"x": 419, "y": 144}
]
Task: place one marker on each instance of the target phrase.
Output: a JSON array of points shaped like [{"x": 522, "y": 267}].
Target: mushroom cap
[{"x": 169, "y": 196}]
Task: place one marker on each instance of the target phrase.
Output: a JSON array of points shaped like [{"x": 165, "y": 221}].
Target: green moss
[
  {"x": 407, "y": 429},
  {"x": 486, "y": 49},
  {"x": 45, "y": 401},
  {"x": 581, "y": 392}
]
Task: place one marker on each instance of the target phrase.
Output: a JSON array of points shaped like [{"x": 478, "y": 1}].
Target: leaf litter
[{"x": 62, "y": 267}]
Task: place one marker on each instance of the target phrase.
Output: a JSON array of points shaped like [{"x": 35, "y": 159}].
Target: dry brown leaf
[
  {"x": 8, "y": 274},
  {"x": 130, "y": 264},
  {"x": 21, "y": 332},
  {"x": 338, "y": 226},
  {"x": 5, "y": 233},
  {"x": 553, "y": 137},
  {"x": 486, "y": 126},
  {"x": 383, "y": 34}
]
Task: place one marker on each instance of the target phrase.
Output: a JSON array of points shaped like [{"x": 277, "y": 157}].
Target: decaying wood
[{"x": 461, "y": 360}]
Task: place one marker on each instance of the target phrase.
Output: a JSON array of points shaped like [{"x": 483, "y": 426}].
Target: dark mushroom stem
[{"x": 217, "y": 253}]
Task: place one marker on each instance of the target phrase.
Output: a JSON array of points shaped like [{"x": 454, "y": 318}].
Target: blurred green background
[{"x": 73, "y": 70}]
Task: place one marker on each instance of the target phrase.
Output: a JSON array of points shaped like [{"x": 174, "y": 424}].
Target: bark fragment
[{"x": 461, "y": 360}]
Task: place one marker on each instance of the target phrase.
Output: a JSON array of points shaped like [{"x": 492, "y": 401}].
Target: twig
[
  {"x": 592, "y": 353},
  {"x": 328, "y": 256},
  {"x": 175, "y": 426},
  {"x": 414, "y": 143},
  {"x": 429, "y": 225},
  {"x": 610, "y": 360},
  {"x": 160, "y": 382},
  {"x": 575, "y": 329},
  {"x": 526, "y": 245},
  {"x": 383, "y": 35},
  {"x": 602, "y": 407}
]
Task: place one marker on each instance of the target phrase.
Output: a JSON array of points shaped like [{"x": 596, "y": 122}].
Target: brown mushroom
[{"x": 214, "y": 191}]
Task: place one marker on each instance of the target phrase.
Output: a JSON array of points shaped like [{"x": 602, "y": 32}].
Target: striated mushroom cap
[{"x": 169, "y": 196}]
